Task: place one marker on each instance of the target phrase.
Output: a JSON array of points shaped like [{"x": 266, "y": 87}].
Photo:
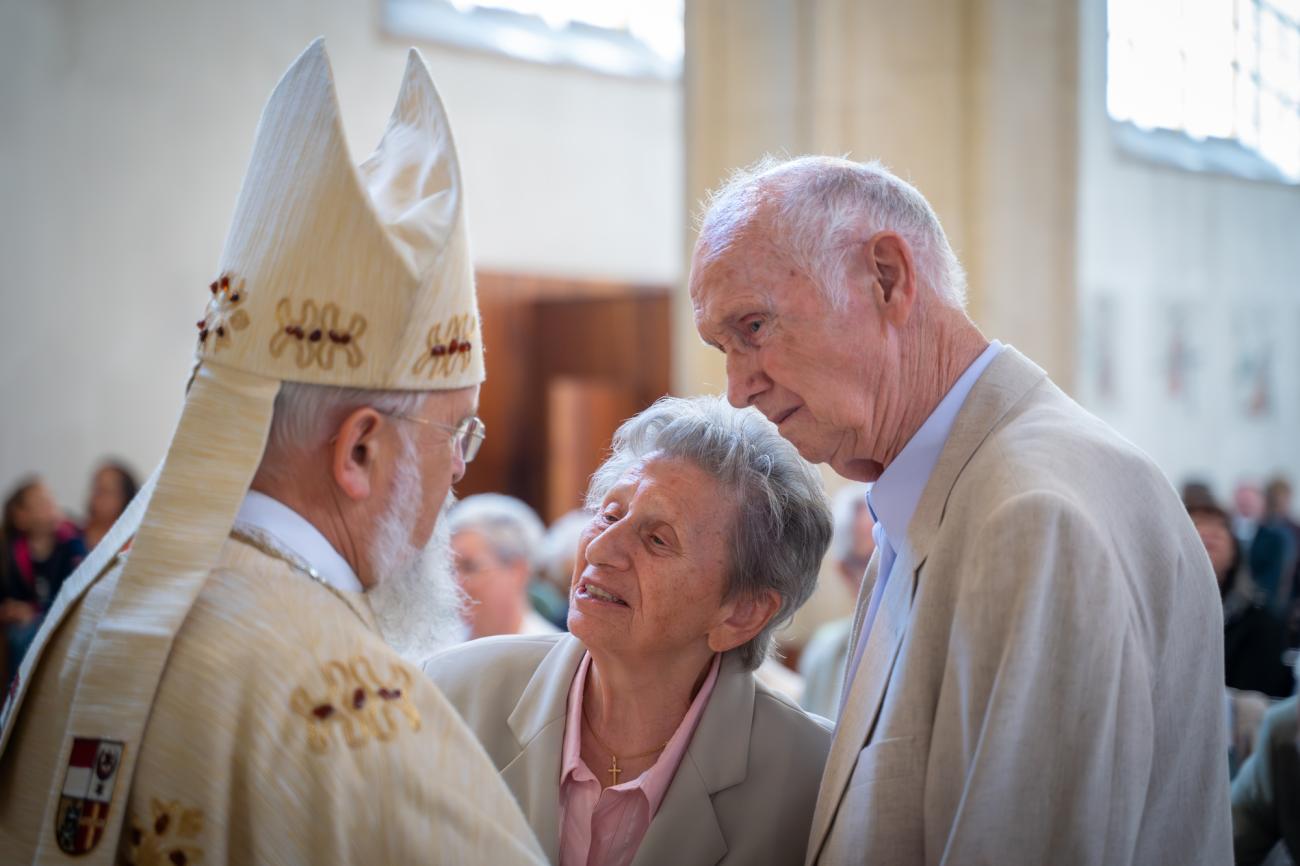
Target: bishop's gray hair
[
  {"x": 819, "y": 207},
  {"x": 306, "y": 415},
  {"x": 783, "y": 520}
]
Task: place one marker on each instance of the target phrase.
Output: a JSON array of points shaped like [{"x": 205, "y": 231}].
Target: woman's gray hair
[
  {"x": 509, "y": 526},
  {"x": 783, "y": 520},
  {"x": 819, "y": 207}
]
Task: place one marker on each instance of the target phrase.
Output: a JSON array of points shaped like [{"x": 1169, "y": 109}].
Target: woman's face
[
  {"x": 1218, "y": 542},
  {"x": 107, "y": 498},
  {"x": 651, "y": 567}
]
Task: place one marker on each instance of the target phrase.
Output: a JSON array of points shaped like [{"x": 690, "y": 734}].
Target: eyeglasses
[{"x": 467, "y": 436}]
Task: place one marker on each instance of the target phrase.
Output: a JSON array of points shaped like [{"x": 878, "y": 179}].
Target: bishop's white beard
[{"x": 416, "y": 599}]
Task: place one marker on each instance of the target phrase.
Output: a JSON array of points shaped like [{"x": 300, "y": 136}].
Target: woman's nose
[{"x": 608, "y": 547}]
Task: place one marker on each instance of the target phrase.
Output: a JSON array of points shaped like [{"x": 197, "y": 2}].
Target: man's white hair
[
  {"x": 306, "y": 415},
  {"x": 818, "y": 208}
]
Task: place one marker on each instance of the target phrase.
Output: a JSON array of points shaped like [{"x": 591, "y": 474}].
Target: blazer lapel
[
  {"x": 685, "y": 831},
  {"x": 866, "y": 693},
  {"x": 538, "y": 724}
]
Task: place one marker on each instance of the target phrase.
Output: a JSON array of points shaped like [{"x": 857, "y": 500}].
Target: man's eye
[{"x": 755, "y": 326}]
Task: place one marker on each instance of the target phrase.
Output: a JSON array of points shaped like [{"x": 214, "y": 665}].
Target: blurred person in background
[
  {"x": 824, "y": 658},
  {"x": 41, "y": 548},
  {"x": 1253, "y": 639},
  {"x": 1273, "y": 554},
  {"x": 1247, "y": 511},
  {"x": 644, "y": 736},
  {"x": 495, "y": 540},
  {"x": 112, "y": 488},
  {"x": 1266, "y": 792},
  {"x": 550, "y": 592}
]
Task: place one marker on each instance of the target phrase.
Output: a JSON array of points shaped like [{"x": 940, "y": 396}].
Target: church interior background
[{"x": 1121, "y": 186}]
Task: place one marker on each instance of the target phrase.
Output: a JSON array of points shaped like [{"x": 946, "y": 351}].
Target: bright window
[
  {"x": 1216, "y": 71},
  {"x": 617, "y": 37}
]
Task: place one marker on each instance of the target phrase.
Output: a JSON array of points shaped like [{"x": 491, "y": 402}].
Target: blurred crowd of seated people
[
  {"x": 42, "y": 547},
  {"x": 1253, "y": 548}
]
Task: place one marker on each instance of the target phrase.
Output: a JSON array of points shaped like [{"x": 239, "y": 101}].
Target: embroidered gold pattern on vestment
[
  {"x": 168, "y": 838},
  {"x": 356, "y": 702},
  {"x": 223, "y": 316},
  {"x": 317, "y": 335},
  {"x": 448, "y": 344}
]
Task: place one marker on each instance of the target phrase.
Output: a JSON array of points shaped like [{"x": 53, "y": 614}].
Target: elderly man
[
  {"x": 1035, "y": 673},
  {"x": 223, "y": 692},
  {"x": 496, "y": 539}
]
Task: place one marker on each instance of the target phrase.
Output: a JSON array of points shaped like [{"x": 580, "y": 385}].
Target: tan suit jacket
[
  {"x": 284, "y": 731},
  {"x": 743, "y": 794},
  {"x": 1043, "y": 682}
]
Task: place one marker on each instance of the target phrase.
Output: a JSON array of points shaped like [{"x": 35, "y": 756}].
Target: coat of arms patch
[{"x": 87, "y": 794}]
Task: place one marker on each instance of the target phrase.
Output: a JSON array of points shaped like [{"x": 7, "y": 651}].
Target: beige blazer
[
  {"x": 284, "y": 730},
  {"x": 743, "y": 794},
  {"x": 1043, "y": 682}
]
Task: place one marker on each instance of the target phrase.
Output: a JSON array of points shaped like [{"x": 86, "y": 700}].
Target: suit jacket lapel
[
  {"x": 685, "y": 830},
  {"x": 866, "y": 693},
  {"x": 538, "y": 724}
]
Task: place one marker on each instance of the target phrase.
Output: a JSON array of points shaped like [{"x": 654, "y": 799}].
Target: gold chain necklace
[{"x": 614, "y": 770}]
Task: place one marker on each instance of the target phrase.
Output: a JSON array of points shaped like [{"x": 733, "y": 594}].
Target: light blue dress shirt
[{"x": 895, "y": 495}]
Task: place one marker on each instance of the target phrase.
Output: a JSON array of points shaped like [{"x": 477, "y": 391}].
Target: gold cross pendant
[{"x": 614, "y": 771}]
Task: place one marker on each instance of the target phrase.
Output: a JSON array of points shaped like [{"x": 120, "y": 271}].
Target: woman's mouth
[{"x": 595, "y": 593}]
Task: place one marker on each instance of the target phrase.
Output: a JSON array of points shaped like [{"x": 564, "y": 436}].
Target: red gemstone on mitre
[
  {"x": 201, "y": 323},
  {"x": 345, "y": 339},
  {"x": 438, "y": 351},
  {"x": 315, "y": 336},
  {"x": 359, "y": 699},
  {"x": 225, "y": 281},
  {"x": 213, "y": 287},
  {"x": 464, "y": 347},
  {"x": 390, "y": 694},
  {"x": 324, "y": 711}
]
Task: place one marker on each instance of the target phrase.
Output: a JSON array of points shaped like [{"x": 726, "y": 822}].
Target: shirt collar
[
  {"x": 653, "y": 783},
  {"x": 895, "y": 495},
  {"x": 293, "y": 531}
]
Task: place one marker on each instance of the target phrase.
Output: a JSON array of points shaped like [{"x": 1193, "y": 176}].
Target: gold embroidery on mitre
[
  {"x": 317, "y": 335},
  {"x": 357, "y": 703},
  {"x": 167, "y": 838},
  {"x": 448, "y": 343},
  {"x": 223, "y": 316}
]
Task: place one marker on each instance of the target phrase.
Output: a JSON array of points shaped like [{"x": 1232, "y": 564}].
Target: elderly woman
[{"x": 643, "y": 737}]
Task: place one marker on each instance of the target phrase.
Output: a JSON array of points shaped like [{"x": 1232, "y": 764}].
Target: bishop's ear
[{"x": 355, "y": 451}]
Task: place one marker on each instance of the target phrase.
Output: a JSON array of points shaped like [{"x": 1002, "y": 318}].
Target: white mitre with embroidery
[
  {"x": 334, "y": 274},
  {"x": 345, "y": 275}
]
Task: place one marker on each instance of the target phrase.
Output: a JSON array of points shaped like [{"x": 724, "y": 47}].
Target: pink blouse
[{"x": 604, "y": 828}]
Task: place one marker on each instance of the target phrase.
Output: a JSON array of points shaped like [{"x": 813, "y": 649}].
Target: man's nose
[{"x": 745, "y": 380}]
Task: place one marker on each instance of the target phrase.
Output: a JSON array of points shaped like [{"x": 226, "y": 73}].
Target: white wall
[
  {"x": 1223, "y": 255},
  {"x": 125, "y": 129}
]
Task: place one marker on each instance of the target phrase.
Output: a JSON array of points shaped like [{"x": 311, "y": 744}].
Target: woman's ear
[
  {"x": 744, "y": 618},
  {"x": 356, "y": 448}
]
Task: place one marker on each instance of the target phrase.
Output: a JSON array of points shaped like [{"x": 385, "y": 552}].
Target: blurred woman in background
[
  {"x": 41, "y": 548},
  {"x": 112, "y": 488}
]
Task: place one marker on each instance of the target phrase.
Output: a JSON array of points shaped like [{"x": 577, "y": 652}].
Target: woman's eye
[
  {"x": 608, "y": 517},
  {"x": 658, "y": 541}
]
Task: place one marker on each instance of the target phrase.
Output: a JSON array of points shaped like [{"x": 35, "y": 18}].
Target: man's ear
[
  {"x": 888, "y": 260},
  {"x": 746, "y": 618},
  {"x": 356, "y": 447}
]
